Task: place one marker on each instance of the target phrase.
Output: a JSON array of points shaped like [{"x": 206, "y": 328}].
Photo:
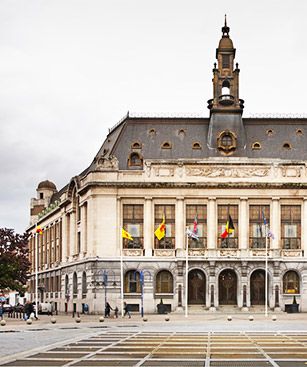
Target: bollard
[
  {"x": 2, "y": 322},
  {"x": 166, "y": 318},
  {"x": 78, "y": 320},
  {"x": 101, "y": 319},
  {"x": 53, "y": 320},
  {"x": 251, "y": 318},
  {"x": 274, "y": 318},
  {"x": 29, "y": 321},
  {"x": 229, "y": 318},
  {"x": 145, "y": 319}
]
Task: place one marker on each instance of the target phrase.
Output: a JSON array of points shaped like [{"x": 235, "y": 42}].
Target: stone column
[
  {"x": 84, "y": 228},
  {"x": 243, "y": 225},
  {"x": 148, "y": 227},
  {"x": 304, "y": 227},
  {"x": 275, "y": 224},
  {"x": 65, "y": 233},
  {"x": 211, "y": 224},
  {"x": 179, "y": 223},
  {"x": 72, "y": 234}
]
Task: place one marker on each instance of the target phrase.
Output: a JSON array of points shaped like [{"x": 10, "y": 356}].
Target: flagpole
[
  {"x": 121, "y": 274},
  {"x": 266, "y": 272},
  {"x": 186, "y": 275},
  {"x": 36, "y": 272}
]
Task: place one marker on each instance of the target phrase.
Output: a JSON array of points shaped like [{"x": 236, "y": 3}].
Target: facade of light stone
[{"x": 181, "y": 167}]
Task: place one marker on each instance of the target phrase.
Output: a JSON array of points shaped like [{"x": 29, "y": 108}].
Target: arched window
[
  {"x": 132, "y": 282},
  {"x": 227, "y": 142},
  {"x": 270, "y": 132},
  {"x": 299, "y": 132},
  {"x": 225, "y": 87},
  {"x": 75, "y": 285},
  {"x": 136, "y": 145},
  {"x": 196, "y": 145},
  {"x": 291, "y": 282},
  {"x": 66, "y": 285},
  {"x": 84, "y": 285},
  {"x": 135, "y": 160},
  {"x": 166, "y": 145},
  {"x": 164, "y": 282},
  {"x": 256, "y": 146}
]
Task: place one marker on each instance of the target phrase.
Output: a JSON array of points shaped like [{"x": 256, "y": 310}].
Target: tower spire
[{"x": 225, "y": 29}]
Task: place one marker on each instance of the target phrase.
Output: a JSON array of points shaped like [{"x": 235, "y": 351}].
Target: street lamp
[
  {"x": 142, "y": 280},
  {"x": 105, "y": 279}
]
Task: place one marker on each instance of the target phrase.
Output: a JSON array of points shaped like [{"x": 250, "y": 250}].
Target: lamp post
[
  {"x": 104, "y": 282},
  {"x": 142, "y": 281}
]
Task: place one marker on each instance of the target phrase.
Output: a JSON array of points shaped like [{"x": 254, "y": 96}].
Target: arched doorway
[
  {"x": 228, "y": 287},
  {"x": 197, "y": 287},
  {"x": 257, "y": 287}
]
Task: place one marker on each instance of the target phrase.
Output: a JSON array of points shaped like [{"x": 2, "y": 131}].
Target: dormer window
[
  {"x": 256, "y": 146},
  {"x": 270, "y": 132},
  {"x": 287, "y": 146},
  {"x": 299, "y": 132},
  {"x": 166, "y": 145},
  {"x": 136, "y": 145},
  {"x": 196, "y": 145},
  {"x": 227, "y": 142},
  {"x": 135, "y": 160}
]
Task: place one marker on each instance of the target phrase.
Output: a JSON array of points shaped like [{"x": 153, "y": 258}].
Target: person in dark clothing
[
  {"x": 116, "y": 312},
  {"x": 107, "y": 310},
  {"x": 126, "y": 309}
]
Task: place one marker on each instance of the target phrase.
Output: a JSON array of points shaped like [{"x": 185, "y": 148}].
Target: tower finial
[{"x": 225, "y": 29}]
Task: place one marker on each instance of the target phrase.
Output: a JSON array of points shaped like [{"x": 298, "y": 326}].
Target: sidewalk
[{"x": 205, "y": 320}]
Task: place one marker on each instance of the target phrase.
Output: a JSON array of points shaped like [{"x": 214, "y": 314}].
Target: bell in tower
[{"x": 226, "y": 134}]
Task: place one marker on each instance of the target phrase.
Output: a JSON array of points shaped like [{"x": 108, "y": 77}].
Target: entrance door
[
  {"x": 197, "y": 287},
  {"x": 228, "y": 287},
  {"x": 257, "y": 287}
]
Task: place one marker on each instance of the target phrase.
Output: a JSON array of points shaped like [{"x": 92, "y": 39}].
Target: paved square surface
[{"x": 145, "y": 348}]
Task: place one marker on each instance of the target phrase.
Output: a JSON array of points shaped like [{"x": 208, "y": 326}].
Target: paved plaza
[{"x": 208, "y": 340}]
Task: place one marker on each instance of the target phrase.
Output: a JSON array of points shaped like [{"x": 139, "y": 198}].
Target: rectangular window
[
  {"x": 168, "y": 211},
  {"x": 133, "y": 219},
  {"x": 257, "y": 230},
  {"x": 230, "y": 240},
  {"x": 196, "y": 220},
  {"x": 291, "y": 226},
  {"x": 225, "y": 62}
]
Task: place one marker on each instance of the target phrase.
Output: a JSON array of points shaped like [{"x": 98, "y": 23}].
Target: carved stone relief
[
  {"x": 109, "y": 163},
  {"x": 228, "y": 172}
]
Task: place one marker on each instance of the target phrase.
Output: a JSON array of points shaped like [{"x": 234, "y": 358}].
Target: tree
[{"x": 14, "y": 262}]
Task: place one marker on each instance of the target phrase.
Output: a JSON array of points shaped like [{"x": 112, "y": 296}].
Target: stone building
[{"x": 186, "y": 169}]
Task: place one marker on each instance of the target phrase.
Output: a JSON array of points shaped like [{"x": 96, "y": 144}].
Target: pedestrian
[
  {"x": 116, "y": 312},
  {"x": 27, "y": 310},
  {"x": 126, "y": 309},
  {"x": 34, "y": 310},
  {"x": 107, "y": 310},
  {"x": 1, "y": 311}
]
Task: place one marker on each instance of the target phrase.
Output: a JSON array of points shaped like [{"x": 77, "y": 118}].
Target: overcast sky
[{"x": 69, "y": 70}]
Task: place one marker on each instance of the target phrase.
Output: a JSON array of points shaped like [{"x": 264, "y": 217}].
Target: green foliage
[{"x": 14, "y": 262}]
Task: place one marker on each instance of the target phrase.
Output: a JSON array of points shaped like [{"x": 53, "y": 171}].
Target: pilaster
[
  {"x": 148, "y": 227},
  {"x": 211, "y": 239},
  {"x": 180, "y": 225}
]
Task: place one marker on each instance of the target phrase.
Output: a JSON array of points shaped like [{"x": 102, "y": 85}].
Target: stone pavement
[{"x": 206, "y": 339}]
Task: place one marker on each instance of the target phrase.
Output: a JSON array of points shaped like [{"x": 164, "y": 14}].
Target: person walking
[
  {"x": 107, "y": 310},
  {"x": 116, "y": 312},
  {"x": 126, "y": 309}
]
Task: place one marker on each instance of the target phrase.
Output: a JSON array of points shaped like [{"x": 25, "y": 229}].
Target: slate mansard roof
[{"x": 275, "y": 138}]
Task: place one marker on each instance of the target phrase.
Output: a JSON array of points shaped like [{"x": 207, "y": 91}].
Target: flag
[
  {"x": 127, "y": 235},
  {"x": 160, "y": 231},
  {"x": 194, "y": 234},
  {"x": 269, "y": 233},
  {"x": 39, "y": 230},
  {"x": 229, "y": 228},
  {"x": 195, "y": 230}
]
